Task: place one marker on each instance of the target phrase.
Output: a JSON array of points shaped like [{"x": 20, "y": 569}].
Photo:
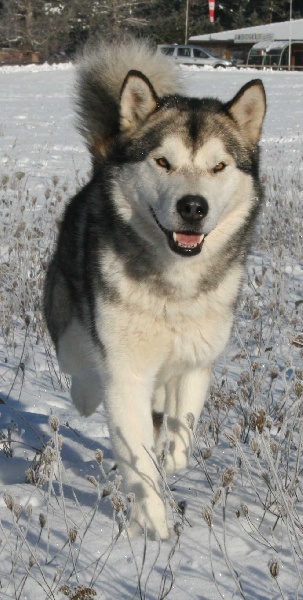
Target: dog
[{"x": 141, "y": 290}]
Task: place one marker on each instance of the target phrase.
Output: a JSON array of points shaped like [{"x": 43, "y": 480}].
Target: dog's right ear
[
  {"x": 138, "y": 101},
  {"x": 248, "y": 108}
]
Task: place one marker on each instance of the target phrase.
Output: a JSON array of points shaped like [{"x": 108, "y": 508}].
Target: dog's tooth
[{"x": 174, "y": 236}]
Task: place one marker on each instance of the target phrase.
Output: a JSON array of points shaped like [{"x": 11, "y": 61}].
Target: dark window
[
  {"x": 184, "y": 52},
  {"x": 168, "y": 51},
  {"x": 200, "y": 54},
  {"x": 255, "y": 58}
]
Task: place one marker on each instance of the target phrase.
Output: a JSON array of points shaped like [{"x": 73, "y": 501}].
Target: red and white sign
[{"x": 211, "y": 5}]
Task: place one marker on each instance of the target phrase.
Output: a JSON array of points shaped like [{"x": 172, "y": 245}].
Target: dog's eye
[
  {"x": 219, "y": 167},
  {"x": 163, "y": 163}
]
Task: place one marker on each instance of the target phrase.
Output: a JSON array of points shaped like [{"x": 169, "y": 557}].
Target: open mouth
[{"x": 185, "y": 243}]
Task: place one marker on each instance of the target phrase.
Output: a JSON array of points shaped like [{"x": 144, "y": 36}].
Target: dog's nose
[{"x": 192, "y": 208}]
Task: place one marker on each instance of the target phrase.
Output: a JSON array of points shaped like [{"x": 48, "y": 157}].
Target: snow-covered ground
[{"x": 246, "y": 477}]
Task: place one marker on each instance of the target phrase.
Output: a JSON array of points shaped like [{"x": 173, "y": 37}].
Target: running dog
[{"x": 141, "y": 290}]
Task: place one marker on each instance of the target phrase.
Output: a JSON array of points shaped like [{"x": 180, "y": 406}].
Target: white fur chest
[
  {"x": 163, "y": 335},
  {"x": 197, "y": 332}
]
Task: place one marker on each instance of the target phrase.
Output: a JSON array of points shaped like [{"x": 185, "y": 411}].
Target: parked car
[{"x": 194, "y": 55}]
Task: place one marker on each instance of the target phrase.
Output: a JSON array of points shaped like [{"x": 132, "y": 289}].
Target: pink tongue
[{"x": 188, "y": 240}]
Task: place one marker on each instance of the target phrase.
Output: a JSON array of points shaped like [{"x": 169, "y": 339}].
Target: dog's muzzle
[{"x": 192, "y": 210}]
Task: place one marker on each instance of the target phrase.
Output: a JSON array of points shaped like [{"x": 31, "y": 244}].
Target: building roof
[
  {"x": 274, "y": 31},
  {"x": 265, "y": 45}
]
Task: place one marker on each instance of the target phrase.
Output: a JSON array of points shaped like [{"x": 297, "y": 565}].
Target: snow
[{"x": 43, "y": 160}]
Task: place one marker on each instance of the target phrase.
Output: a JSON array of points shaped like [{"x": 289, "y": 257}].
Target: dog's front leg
[
  {"x": 128, "y": 403},
  {"x": 185, "y": 394}
]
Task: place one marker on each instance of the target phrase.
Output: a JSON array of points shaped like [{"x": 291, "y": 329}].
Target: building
[
  {"x": 13, "y": 56},
  {"x": 238, "y": 43}
]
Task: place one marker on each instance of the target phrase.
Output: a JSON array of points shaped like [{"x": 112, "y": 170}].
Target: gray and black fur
[{"x": 140, "y": 293}]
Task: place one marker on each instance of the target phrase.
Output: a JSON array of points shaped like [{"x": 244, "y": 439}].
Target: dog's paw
[
  {"x": 149, "y": 517},
  {"x": 135, "y": 530},
  {"x": 176, "y": 459},
  {"x": 174, "y": 445}
]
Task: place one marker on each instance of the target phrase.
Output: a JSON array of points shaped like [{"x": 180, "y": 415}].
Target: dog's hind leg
[
  {"x": 86, "y": 391},
  {"x": 80, "y": 358},
  {"x": 184, "y": 402}
]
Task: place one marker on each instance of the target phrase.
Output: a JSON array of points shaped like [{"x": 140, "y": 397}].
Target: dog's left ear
[
  {"x": 138, "y": 101},
  {"x": 248, "y": 108}
]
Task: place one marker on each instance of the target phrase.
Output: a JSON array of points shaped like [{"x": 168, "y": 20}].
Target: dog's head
[{"x": 189, "y": 166}]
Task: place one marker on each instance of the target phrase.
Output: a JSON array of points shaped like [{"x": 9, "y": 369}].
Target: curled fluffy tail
[{"x": 101, "y": 72}]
